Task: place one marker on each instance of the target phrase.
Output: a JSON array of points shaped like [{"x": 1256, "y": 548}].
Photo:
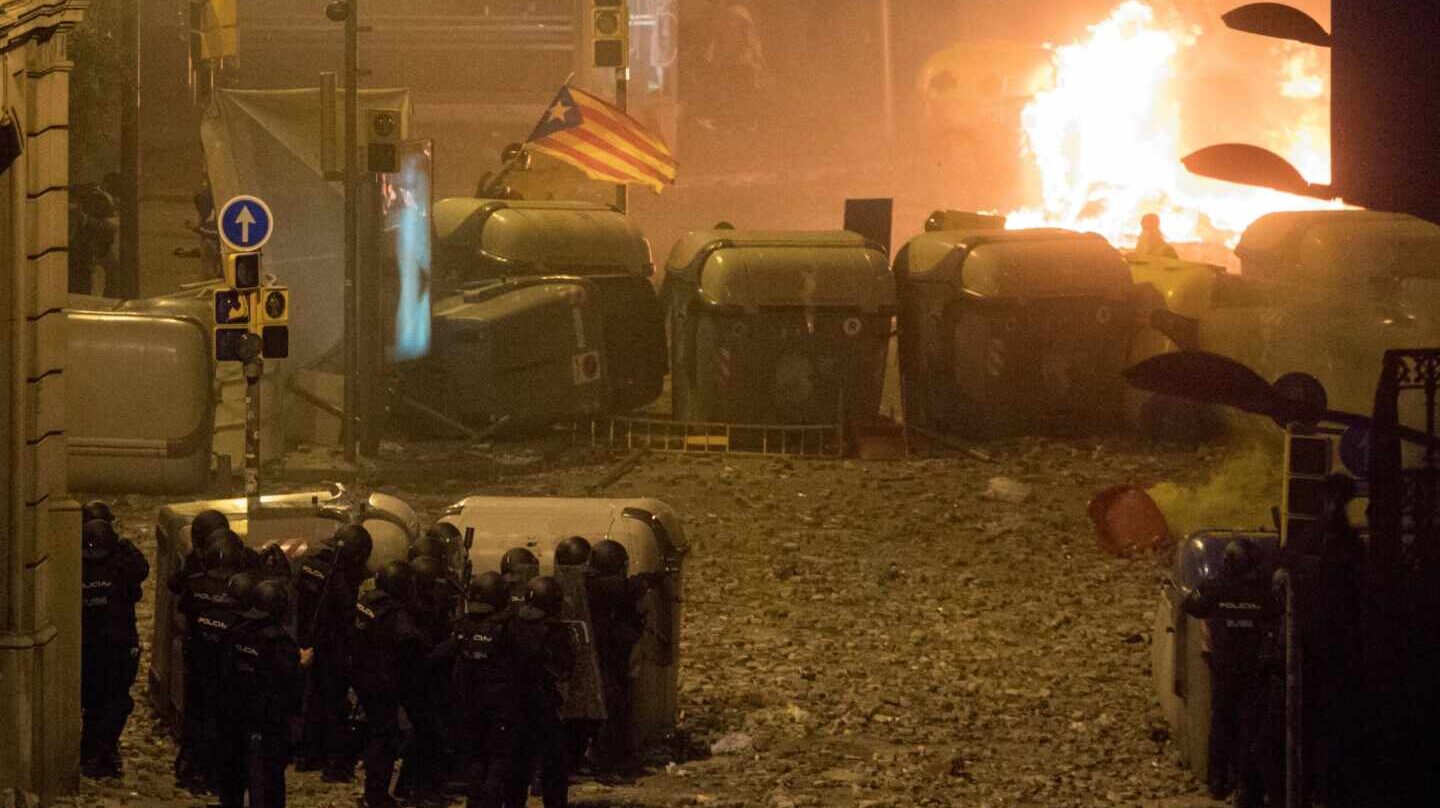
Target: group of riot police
[
  {"x": 482, "y": 670},
  {"x": 243, "y": 679}
]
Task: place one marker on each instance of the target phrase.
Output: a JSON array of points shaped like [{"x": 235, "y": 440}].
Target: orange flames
[{"x": 1106, "y": 141}]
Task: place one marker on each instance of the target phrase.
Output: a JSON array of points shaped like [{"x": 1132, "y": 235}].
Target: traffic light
[
  {"x": 242, "y": 271},
  {"x": 236, "y": 344},
  {"x": 384, "y": 141},
  {"x": 1308, "y": 461},
  {"x": 607, "y": 33},
  {"x": 274, "y": 305},
  {"x": 274, "y": 319}
]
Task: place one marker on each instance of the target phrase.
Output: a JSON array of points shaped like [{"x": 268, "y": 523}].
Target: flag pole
[
  {"x": 622, "y": 100},
  {"x": 520, "y": 154}
]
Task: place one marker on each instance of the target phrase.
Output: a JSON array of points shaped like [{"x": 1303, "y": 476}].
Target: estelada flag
[{"x": 602, "y": 141}]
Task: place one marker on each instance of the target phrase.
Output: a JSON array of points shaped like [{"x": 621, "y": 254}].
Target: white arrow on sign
[{"x": 245, "y": 219}]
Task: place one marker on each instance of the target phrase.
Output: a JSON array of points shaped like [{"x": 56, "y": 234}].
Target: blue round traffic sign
[{"x": 246, "y": 224}]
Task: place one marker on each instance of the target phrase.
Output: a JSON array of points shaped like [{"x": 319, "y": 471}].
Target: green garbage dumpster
[
  {"x": 1011, "y": 332},
  {"x": 778, "y": 327},
  {"x": 480, "y": 242}
]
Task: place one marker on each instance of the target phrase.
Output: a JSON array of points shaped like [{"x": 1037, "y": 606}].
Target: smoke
[{"x": 1238, "y": 493}]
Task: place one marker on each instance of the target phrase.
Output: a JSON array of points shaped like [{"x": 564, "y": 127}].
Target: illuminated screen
[{"x": 405, "y": 217}]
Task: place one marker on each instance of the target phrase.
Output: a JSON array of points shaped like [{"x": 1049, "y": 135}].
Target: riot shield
[{"x": 584, "y": 692}]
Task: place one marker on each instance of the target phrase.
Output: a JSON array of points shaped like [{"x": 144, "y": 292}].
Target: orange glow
[{"x": 1106, "y": 140}]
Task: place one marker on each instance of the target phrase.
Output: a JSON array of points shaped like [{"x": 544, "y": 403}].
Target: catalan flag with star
[{"x": 602, "y": 141}]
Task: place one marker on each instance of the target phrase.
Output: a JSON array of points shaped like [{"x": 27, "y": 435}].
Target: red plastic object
[{"x": 1127, "y": 521}]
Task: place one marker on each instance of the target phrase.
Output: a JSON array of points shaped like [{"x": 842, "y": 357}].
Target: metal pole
[
  {"x": 887, "y": 69},
  {"x": 254, "y": 369},
  {"x": 622, "y": 100},
  {"x": 127, "y": 284},
  {"x": 350, "y": 434},
  {"x": 1294, "y": 701}
]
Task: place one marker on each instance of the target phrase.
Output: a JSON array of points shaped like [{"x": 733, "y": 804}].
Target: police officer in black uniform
[
  {"x": 434, "y": 608},
  {"x": 572, "y": 556},
  {"x": 544, "y": 659},
  {"x": 386, "y": 641},
  {"x": 202, "y": 527},
  {"x": 518, "y": 566},
  {"x": 189, "y": 770},
  {"x": 113, "y": 572},
  {"x": 615, "y": 597},
  {"x": 209, "y": 613},
  {"x": 96, "y": 509},
  {"x": 1240, "y": 606},
  {"x": 263, "y": 689},
  {"x": 327, "y": 587},
  {"x": 481, "y": 660}
]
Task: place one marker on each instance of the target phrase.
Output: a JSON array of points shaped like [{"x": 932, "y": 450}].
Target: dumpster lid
[
  {"x": 758, "y": 268},
  {"x": 1042, "y": 262},
  {"x": 561, "y": 238},
  {"x": 1336, "y": 239}
]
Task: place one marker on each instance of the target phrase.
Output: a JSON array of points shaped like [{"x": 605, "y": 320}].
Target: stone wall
[{"x": 39, "y": 524}]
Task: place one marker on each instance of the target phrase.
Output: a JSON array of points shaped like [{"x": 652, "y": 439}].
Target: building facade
[{"x": 39, "y": 524}]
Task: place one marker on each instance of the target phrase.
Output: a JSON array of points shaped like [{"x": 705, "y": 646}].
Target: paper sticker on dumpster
[{"x": 587, "y": 367}]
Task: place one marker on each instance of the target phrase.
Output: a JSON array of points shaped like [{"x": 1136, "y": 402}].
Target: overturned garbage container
[
  {"x": 1013, "y": 332},
  {"x": 778, "y": 327},
  {"x": 504, "y": 254},
  {"x": 296, "y": 522},
  {"x": 652, "y": 534}
]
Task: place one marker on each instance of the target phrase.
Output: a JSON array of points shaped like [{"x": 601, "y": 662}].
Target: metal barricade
[{"x": 662, "y": 435}]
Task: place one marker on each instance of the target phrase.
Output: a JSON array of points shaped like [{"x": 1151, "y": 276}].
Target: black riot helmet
[
  {"x": 489, "y": 589},
  {"x": 398, "y": 580},
  {"x": 204, "y": 525},
  {"x": 445, "y": 532},
  {"x": 429, "y": 546},
  {"x": 96, "y": 509},
  {"x": 519, "y": 562},
  {"x": 1238, "y": 558},
  {"x": 225, "y": 551},
  {"x": 273, "y": 562},
  {"x": 428, "y": 571},
  {"x": 610, "y": 558},
  {"x": 352, "y": 546},
  {"x": 545, "y": 594},
  {"x": 240, "y": 585},
  {"x": 272, "y": 598},
  {"x": 572, "y": 552},
  {"x": 99, "y": 538}
]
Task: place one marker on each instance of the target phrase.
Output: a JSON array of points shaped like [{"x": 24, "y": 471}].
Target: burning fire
[{"x": 1107, "y": 139}]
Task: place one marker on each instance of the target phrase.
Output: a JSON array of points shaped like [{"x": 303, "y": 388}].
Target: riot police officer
[
  {"x": 209, "y": 613},
  {"x": 96, "y": 509},
  {"x": 113, "y": 572},
  {"x": 202, "y": 527},
  {"x": 385, "y": 642},
  {"x": 518, "y": 566},
  {"x": 619, "y": 623},
  {"x": 189, "y": 771},
  {"x": 434, "y": 607},
  {"x": 1240, "y": 607},
  {"x": 544, "y": 659},
  {"x": 263, "y": 689},
  {"x": 327, "y": 587},
  {"x": 480, "y": 658},
  {"x": 572, "y": 572}
]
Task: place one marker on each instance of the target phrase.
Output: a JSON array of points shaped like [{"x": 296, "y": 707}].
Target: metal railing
[{"x": 662, "y": 435}]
